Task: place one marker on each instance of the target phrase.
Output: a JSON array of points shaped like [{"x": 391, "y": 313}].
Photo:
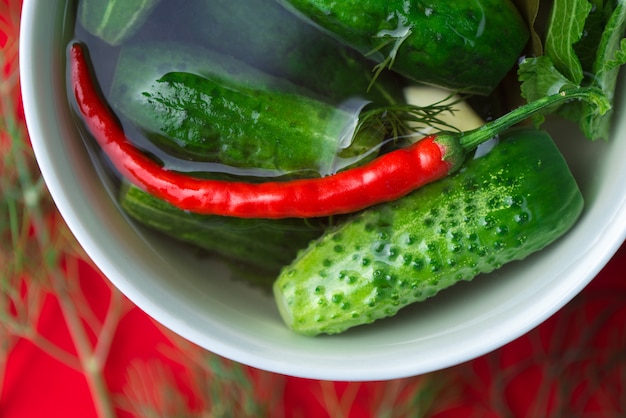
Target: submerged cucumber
[
  {"x": 114, "y": 21},
  {"x": 461, "y": 45},
  {"x": 501, "y": 207},
  {"x": 256, "y": 247},
  {"x": 201, "y": 105},
  {"x": 268, "y": 37}
]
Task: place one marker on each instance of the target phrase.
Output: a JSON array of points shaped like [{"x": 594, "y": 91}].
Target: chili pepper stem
[{"x": 471, "y": 139}]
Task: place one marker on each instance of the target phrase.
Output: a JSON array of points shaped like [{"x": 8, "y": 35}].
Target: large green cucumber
[
  {"x": 467, "y": 46},
  {"x": 501, "y": 207},
  {"x": 267, "y": 36}
]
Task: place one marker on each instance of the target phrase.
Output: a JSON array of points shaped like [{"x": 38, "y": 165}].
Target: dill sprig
[
  {"x": 38, "y": 254},
  {"x": 393, "y": 40},
  {"x": 403, "y": 120}
]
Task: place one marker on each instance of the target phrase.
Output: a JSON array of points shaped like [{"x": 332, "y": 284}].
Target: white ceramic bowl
[{"x": 197, "y": 300}]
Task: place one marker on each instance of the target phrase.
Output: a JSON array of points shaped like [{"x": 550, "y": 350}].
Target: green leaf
[
  {"x": 584, "y": 47},
  {"x": 587, "y": 47},
  {"x": 539, "y": 78},
  {"x": 529, "y": 9},
  {"x": 619, "y": 58},
  {"x": 566, "y": 25},
  {"x": 611, "y": 53}
]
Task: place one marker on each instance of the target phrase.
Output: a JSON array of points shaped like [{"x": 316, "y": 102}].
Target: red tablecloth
[{"x": 575, "y": 361}]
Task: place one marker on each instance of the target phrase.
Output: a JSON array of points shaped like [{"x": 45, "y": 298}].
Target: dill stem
[
  {"x": 105, "y": 338},
  {"x": 51, "y": 349},
  {"x": 330, "y": 398},
  {"x": 92, "y": 366},
  {"x": 6, "y": 343}
]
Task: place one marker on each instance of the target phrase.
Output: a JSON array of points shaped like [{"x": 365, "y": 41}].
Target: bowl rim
[{"x": 41, "y": 94}]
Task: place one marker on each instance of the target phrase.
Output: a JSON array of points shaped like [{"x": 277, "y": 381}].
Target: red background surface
[{"x": 37, "y": 385}]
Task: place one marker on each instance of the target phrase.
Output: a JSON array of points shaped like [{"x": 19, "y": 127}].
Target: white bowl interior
[{"x": 196, "y": 298}]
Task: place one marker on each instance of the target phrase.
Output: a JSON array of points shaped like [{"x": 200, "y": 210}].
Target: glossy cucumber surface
[
  {"x": 466, "y": 46},
  {"x": 498, "y": 208}
]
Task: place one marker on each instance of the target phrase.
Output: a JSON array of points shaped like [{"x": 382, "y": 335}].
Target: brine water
[{"x": 282, "y": 50}]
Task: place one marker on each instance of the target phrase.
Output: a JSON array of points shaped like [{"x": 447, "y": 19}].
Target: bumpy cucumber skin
[
  {"x": 460, "y": 45},
  {"x": 200, "y": 105},
  {"x": 498, "y": 208},
  {"x": 258, "y": 248},
  {"x": 268, "y": 37}
]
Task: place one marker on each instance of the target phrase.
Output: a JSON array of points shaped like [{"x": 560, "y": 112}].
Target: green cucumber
[
  {"x": 255, "y": 247},
  {"x": 201, "y": 105},
  {"x": 467, "y": 46},
  {"x": 114, "y": 21},
  {"x": 500, "y": 207},
  {"x": 268, "y": 37}
]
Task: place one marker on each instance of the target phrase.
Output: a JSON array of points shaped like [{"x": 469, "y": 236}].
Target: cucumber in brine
[
  {"x": 201, "y": 105},
  {"x": 256, "y": 248},
  {"x": 498, "y": 208},
  {"x": 269, "y": 37},
  {"x": 466, "y": 46}
]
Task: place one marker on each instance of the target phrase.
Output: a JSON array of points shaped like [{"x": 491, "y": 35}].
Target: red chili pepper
[{"x": 384, "y": 179}]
